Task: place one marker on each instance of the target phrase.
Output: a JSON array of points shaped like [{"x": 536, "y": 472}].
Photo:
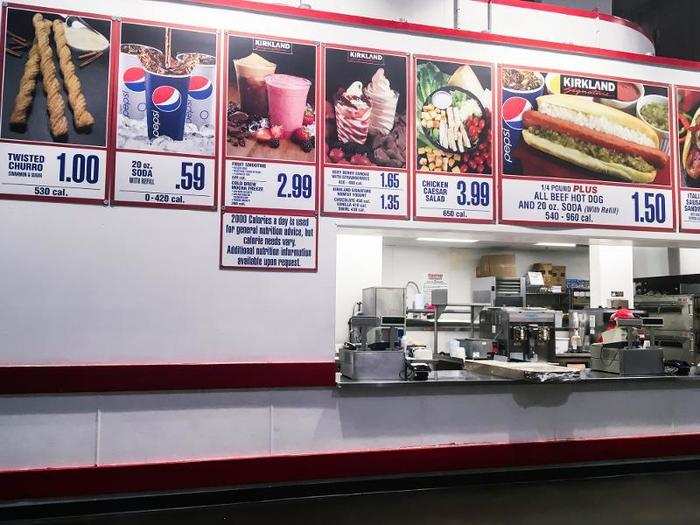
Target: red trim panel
[
  {"x": 422, "y": 29},
  {"x": 114, "y": 378},
  {"x": 84, "y": 481}
]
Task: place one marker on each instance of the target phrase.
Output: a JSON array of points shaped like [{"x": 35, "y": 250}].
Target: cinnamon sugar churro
[
  {"x": 82, "y": 118},
  {"x": 55, "y": 106},
  {"x": 27, "y": 87}
]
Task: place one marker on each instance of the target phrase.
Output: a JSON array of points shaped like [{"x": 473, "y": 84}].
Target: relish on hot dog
[
  {"x": 691, "y": 149},
  {"x": 594, "y": 136}
]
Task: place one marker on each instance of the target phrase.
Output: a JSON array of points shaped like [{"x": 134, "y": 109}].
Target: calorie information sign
[
  {"x": 454, "y": 197},
  {"x": 277, "y": 242}
]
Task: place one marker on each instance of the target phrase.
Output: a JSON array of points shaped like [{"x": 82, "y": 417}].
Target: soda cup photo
[
  {"x": 132, "y": 82},
  {"x": 201, "y": 93},
  {"x": 166, "y": 104}
]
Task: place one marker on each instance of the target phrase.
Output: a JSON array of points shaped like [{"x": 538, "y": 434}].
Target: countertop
[{"x": 464, "y": 377}]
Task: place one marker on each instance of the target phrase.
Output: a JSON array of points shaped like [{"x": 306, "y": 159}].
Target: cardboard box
[
  {"x": 553, "y": 275},
  {"x": 498, "y": 265}
]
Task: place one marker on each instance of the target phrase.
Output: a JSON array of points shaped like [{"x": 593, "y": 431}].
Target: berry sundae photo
[
  {"x": 365, "y": 109},
  {"x": 271, "y": 102}
]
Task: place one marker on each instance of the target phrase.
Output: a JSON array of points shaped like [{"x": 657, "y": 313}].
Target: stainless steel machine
[
  {"x": 678, "y": 337},
  {"x": 373, "y": 348},
  {"x": 633, "y": 355},
  {"x": 520, "y": 334},
  {"x": 498, "y": 291}
]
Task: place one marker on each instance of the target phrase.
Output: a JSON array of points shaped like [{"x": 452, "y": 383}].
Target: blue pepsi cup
[
  {"x": 166, "y": 105},
  {"x": 512, "y": 113}
]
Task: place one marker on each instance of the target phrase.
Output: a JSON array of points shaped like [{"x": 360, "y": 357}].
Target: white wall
[
  {"x": 690, "y": 260},
  {"x": 359, "y": 265},
  {"x": 650, "y": 261},
  {"x": 611, "y": 270}
]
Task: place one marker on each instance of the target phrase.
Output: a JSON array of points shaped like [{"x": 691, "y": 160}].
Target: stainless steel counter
[{"x": 464, "y": 377}]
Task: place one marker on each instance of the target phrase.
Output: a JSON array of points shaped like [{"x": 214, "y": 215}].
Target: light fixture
[
  {"x": 445, "y": 239},
  {"x": 557, "y": 244}
]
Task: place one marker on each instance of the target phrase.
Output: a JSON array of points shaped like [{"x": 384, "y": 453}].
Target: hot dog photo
[
  {"x": 581, "y": 127},
  {"x": 688, "y": 139}
]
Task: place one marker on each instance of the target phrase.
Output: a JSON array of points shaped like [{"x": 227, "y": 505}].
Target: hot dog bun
[
  {"x": 586, "y": 161},
  {"x": 690, "y": 140},
  {"x": 595, "y": 128},
  {"x": 598, "y": 117}
]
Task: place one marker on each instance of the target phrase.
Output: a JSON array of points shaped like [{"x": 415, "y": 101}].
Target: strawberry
[
  {"x": 308, "y": 118},
  {"x": 262, "y": 135},
  {"x": 300, "y": 135},
  {"x": 336, "y": 155},
  {"x": 276, "y": 132}
]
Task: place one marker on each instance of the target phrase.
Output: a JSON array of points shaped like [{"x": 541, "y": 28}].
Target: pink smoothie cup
[{"x": 286, "y": 97}]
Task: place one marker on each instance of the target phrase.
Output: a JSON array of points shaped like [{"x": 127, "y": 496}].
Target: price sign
[
  {"x": 365, "y": 192},
  {"x": 162, "y": 179},
  {"x": 586, "y": 205},
  {"x": 268, "y": 242},
  {"x": 282, "y": 186},
  {"x": 58, "y": 173},
  {"x": 454, "y": 197}
]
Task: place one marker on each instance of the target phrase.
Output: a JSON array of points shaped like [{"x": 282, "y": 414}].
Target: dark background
[
  {"x": 183, "y": 41},
  {"x": 93, "y": 77},
  {"x": 341, "y": 73},
  {"x": 301, "y": 63}
]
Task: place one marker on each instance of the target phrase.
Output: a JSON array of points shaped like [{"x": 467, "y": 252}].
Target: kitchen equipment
[
  {"x": 668, "y": 285},
  {"x": 476, "y": 348},
  {"x": 635, "y": 356},
  {"x": 678, "y": 337},
  {"x": 387, "y": 303},
  {"x": 359, "y": 328},
  {"x": 521, "y": 334},
  {"x": 498, "y": 291},
  {"x": 371, "y": 364},
  {"x": 590, "y": 323}
]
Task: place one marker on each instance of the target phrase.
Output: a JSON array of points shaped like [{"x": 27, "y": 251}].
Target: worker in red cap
[{"x": 621, "y": 313}]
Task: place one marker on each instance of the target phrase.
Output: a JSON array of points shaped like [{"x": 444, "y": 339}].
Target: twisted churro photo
[{"x": 56, "y": 80}]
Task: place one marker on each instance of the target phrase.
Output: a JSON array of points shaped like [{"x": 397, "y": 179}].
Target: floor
[{"x": 665, "y": 498}]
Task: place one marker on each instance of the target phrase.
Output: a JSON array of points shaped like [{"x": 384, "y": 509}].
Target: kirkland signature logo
[
  {"x": 275, "y": 46},
  {"x": 366, "y": 57},
  {"x": 588, "y": 87}
]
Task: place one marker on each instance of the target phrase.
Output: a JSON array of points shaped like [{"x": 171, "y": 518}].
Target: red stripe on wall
[
  {"x": 130, "y": 377},
  {"x": 442, "y": 32},
  {"x": 111, "y": 479}
]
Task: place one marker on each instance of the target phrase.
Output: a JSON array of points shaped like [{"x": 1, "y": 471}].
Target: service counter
[{"x": 470, "y": 378}]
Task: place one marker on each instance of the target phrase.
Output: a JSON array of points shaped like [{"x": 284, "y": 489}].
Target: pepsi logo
[
  {"x": 513, "y": 109},
  {"x": 200, "y": 87},
  {"x": 166, "y": 98},
  {"x": 134, "y": 78}
]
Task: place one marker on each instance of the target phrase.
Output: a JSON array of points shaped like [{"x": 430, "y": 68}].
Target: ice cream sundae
[
  {"x": 352, "y": 113},
  {"x": 383, "y": 100}
]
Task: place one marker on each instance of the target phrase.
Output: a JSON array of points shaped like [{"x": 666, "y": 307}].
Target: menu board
[
  {"x": 365, "y": 133},
  {"x": 686, "y": 138},
  {"x": 271, "y": 153},
  {"x": 584, "y": 150},
  {"x": 53, "y": 135},
  {"x": 271, "y": 242},
  {"x": 453, "y": 178},
  {"x": 167, "y": 118}
]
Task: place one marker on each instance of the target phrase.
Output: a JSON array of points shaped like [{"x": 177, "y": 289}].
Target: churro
[
  {"x": 27, "y": 86},
  {"x": 81, "y": 116},
  {"x": 55, "y": 106}
]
